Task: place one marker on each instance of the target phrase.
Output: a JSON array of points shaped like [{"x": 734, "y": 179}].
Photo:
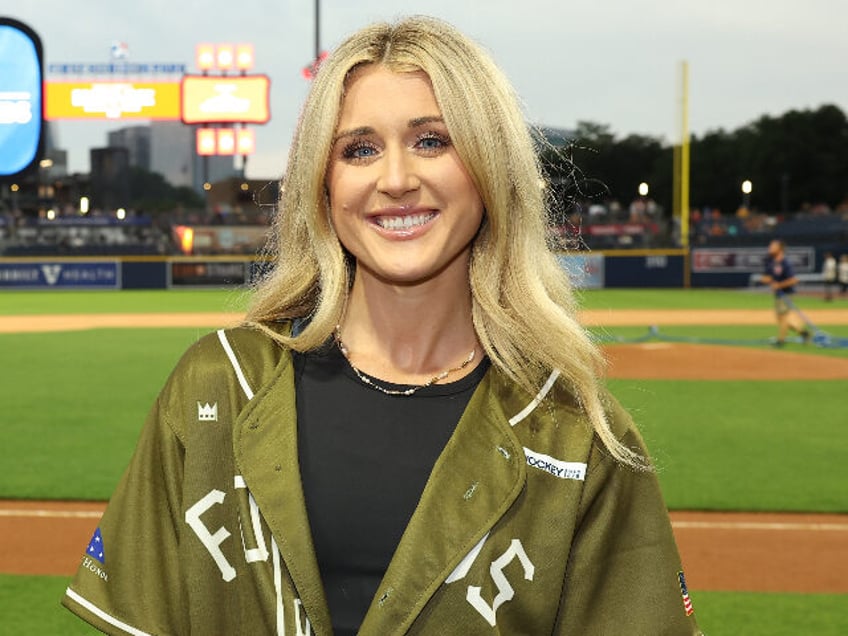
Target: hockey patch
[{"x": 556, "y": 467}]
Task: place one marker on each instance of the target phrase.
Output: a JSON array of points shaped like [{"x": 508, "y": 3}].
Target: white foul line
[
  {"x": 52, "y": 514},
  {"x": 756, "y": 525}
]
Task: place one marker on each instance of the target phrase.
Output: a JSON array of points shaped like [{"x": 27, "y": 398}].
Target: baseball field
[{"x": 750, "y": 441}]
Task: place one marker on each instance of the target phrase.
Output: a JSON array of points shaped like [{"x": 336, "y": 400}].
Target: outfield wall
[{"x": 701, "y": 267}]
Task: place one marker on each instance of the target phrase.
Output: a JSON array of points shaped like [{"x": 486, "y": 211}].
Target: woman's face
[{"x": 402, "y": 201}]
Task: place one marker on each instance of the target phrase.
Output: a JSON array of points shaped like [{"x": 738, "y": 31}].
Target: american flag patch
[{"x": 687, "y": 602}]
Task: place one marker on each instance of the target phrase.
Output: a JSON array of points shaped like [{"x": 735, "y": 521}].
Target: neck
[{"x": 407, "y": 335}]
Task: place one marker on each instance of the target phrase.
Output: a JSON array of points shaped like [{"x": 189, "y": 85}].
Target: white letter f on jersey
[{"x": 212, "y": 542}]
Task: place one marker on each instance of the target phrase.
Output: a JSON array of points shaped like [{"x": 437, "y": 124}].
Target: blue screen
[{"x": 20, "y": 98}]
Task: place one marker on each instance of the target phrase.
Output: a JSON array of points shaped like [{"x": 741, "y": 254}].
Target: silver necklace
[{"x": 406, "y": 392}]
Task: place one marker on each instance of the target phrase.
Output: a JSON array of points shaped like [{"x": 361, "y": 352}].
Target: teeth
[{"x": 403, "y": 222}]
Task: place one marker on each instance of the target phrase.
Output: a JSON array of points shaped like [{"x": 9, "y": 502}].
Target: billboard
[
  {"x": 112, "y": 100},
  {"x": 20, "y": 96},
  {"x": 221, "y": 99},
  {"x": 748, "y": 259},
  {"x": 61, "y": 274}
]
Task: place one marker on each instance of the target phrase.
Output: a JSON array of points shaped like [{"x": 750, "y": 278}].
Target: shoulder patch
[{"x": 95, "y": 547}]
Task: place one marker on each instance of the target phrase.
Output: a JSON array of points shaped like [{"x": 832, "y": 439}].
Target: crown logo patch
[{"x": 207, "y": 412}]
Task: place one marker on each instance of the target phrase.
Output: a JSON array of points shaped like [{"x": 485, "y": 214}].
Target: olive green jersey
[{"x": 526, "y": 524}]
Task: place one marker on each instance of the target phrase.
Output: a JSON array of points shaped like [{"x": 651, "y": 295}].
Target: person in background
[
  {"x": 842, "y": 274},
  {"x": 780, "y": 276},
  {"x": 411, "y": 431},
  {"x": 829, "y": 275}
]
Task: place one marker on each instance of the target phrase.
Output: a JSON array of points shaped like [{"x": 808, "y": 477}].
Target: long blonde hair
[{"x": 522, "y": 300}]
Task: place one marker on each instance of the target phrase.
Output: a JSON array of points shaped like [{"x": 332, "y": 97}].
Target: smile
[{"x": 404, "y": 222}]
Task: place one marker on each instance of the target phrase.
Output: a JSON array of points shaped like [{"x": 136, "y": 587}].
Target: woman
[{"x": 385, "y": 446}]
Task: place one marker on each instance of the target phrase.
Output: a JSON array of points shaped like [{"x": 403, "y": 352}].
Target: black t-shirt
[
  {"x": 780, "y": 270},
  {"x": 364, "y": 460}
]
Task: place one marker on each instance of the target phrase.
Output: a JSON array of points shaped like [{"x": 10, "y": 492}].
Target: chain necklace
[{"x": 405, "y": 392}]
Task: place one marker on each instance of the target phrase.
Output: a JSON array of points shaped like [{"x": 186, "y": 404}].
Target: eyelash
[
  {"x": 351, "y": 151},
  {"x": 443, "y": 140}
]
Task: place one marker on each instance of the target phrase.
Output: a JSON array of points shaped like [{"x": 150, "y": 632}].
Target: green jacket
[{"x": 526, "y": 525}]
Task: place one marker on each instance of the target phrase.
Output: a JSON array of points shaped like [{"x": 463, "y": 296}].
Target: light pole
[{"x": 317, "y": 29}]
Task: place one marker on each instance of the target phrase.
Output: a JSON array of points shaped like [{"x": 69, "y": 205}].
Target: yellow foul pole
[{"x": 683, "y": 189}]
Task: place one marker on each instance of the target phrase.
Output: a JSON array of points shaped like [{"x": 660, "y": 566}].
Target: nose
[{"x": 398, "y": 173}]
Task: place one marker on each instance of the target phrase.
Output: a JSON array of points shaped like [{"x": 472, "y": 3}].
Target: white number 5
[{"x": 505, "y": 590}]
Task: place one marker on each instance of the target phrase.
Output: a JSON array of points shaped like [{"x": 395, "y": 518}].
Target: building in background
[
  {"x": 110, "y": 179},
  {"x": 173, "y": 154},
  {"x": 136, "y": 139}
]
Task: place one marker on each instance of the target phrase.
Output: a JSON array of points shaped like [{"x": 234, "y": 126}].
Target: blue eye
[
  {"x": 359, "y": 150},
  {"x": 432, "y": 142}
]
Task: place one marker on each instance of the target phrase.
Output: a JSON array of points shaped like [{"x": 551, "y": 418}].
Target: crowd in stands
[
  {"x": 812, "y": 224},
  {"x": 587, "y": 226},
  {"x": 105, "y": 234}
]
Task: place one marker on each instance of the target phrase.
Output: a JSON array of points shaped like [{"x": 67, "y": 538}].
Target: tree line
[{"x": 793, "y": 161}]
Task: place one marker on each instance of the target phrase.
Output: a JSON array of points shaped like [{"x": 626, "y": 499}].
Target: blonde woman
[{"x": 410, "y": 433}]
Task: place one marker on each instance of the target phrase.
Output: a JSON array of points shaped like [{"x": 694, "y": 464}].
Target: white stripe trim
[
  {"x": 515, "y": 419},
  {"x": 236, "y": 367},
  {"x": 91, "y": 607},
  {"x": 278, "y": 587}
]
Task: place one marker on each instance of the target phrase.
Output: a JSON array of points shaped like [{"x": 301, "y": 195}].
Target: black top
[{"x": 365, "y": 458}]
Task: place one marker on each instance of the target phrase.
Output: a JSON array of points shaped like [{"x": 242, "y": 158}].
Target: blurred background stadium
[{"x": 166, "y": 218}]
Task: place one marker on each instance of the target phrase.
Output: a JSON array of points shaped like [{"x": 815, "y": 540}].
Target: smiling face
[{"x": 402, "y": 202}]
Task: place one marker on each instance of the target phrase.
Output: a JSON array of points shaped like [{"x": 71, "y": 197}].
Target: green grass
[
  {"x": 750, "y": 614},
  {"x": 755, "y": 445},
  {"x": 31, "y": 606},
  {"x": 45, "y": 302},
  {"x": 73, "y": 404},
  {"x": 753, "y": 298},
  {"x": 18, "y": 303},
  {"x": 720, "y": 445}
]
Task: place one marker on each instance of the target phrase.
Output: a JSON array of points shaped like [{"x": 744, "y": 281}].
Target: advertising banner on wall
[
  {"x": 717, "y": 260},
  {"x": 20, "y": 97},
  {"x": 61, "y": 275},
  {"x": 112, "y": 100},
  {"x": 207, "y": 273}
]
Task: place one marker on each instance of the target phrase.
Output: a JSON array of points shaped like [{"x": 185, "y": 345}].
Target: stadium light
[
  {"x": 245, "y": 141},
  {"x": 643, "y": 189},
  {"x": 226, "y": 141},
  {"x": 226, "y": 57},
  {"x": 747, "y": 186},
  {"x": 205, "y": 57},
  {"x": 244, "y": 57}
]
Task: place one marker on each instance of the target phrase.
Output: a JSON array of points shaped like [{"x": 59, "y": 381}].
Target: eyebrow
[{"x": 368, "y": 130}]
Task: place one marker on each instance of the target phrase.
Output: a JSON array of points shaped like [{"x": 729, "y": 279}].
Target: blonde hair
[{"x": 522, "y": 300}]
